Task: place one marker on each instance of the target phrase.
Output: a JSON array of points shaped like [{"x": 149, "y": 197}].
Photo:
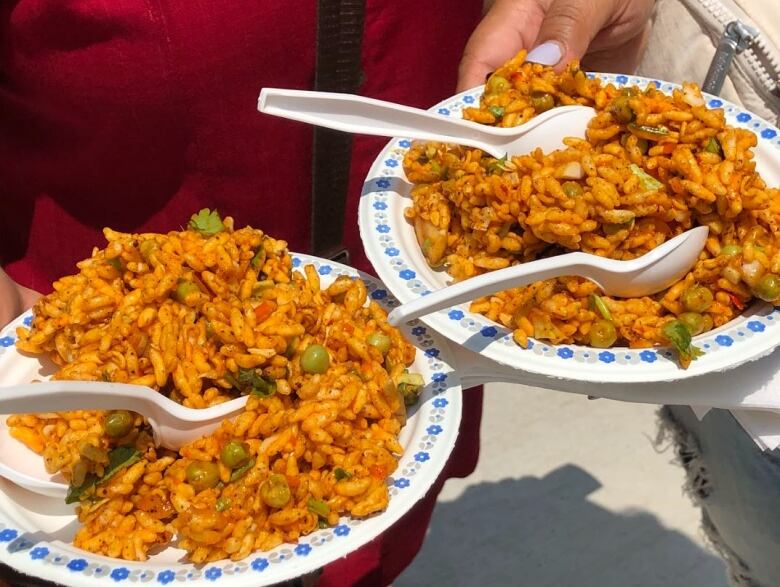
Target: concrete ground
[{"x": 568, "y": 492}]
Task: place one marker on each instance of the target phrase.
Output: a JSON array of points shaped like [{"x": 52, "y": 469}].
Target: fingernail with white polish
[{"x": 548, "y": 53}]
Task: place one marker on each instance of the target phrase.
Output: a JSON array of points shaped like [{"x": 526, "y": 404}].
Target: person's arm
[
  {"x": 14, "y": 298},
  {"x": 609, "y": 34}
]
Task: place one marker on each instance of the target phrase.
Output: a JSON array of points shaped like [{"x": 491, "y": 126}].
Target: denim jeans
[{"x": 738, "y": 488}]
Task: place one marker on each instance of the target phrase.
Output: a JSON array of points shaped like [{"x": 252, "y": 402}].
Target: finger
[
  {"x": 568, "y": 28},
  {"x": 28, "y": 297},
  {"x": 509, "y": 26},
  {"x": 624, "y": 58}
]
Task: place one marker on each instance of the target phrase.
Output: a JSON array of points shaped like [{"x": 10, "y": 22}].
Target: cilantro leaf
[
  {"x": 249, "y": 381},
  {"x": 206, "y": 222},
  {"x": 680, "y": 337},
  {"x": 241, "y": 471},
  {"x": 118, "y": 459},
  {"x": 341, "y": 474}
]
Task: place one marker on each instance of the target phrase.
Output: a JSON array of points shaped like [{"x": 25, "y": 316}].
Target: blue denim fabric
[{"x": 738, "y": 487}]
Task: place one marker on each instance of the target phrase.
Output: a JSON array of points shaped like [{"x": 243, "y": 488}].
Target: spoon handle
[
  {"x": 62, "y": 396},
  {"x": 357, "y": 114},
  {"x": 488, "y": 283}
]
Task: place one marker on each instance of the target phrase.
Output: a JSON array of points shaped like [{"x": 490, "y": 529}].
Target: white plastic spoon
[
  {"x": 642, "y": 276},
  {"x": 357, "y": 114},
  {"x": 173, "y": 425}
]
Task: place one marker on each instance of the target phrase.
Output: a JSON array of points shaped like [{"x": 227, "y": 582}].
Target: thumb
[{"x": 568, "y": 28}]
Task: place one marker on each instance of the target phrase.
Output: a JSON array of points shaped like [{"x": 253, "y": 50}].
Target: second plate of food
[{"x": 662, "y": 158}]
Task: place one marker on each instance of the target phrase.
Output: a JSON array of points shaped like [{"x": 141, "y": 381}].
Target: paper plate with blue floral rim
[
  {"x": 393, "y": 250},
  {"x": 36, "y": 531}
]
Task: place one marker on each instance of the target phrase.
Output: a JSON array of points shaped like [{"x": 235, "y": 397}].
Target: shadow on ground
[{"x": 546, "y": 533}]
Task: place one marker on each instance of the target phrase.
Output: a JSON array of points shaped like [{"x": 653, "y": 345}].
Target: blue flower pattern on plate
[
  {"x": 8, "y": 534},
  {"x": 259, "y": 564},
  {"x": 488, "y": 331},
  {"x": 648, "y": 356},
  {"x": 6, "y": 341},
  {"x": 119, "y": 574},
  {"x": 444, "y": 111},
  {"x": 606, "y": 357},
  {"x": 401, "y": 483},
  {"x": 380, "y": 206},
  {"x": 743, "y": 117},
  {"x": 341, "y": 530},
  {"x": 325, "y": 270},
  {"x": 434, "y": 430},
  {"x": 715, "y": 103},
  {"x": 39, "y": 553},
  {"x": 379, "y": 294},
  {"x": 432, "y": 352},
  {"x": 769, "y": 133},
  {"x": 455, "y": 315},
  {"x": 468, "y": 99},
  {"x": 407, "y": 274},
  {"x": 213, "y": 573},
  {"x": 756, "y": 326},
  {"x": 391, "y": 163},
  {"x": 28, "y": 321},
  {"x": 724, "y": 340},
  {"x": 439, "y": 377},
  {"x": 392, "y": 252},
  {"x": 77, "y": 564},
  {"x": 383, "y": 183},
  {"x": 383, "y": 228},
  {"x": 565, "y": 353},
  {"x": 421, "y": 457},
  {"x": 406, "y": 143},
  {"x": 302, "y": 549},
  {"x": 296, "y": 262},
  {"x": 166, "y": 577},
  {"x": 418, "y": 330},
  {"x": 440, "y": 402}
]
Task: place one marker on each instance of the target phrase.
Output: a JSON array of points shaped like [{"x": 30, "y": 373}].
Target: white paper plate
[
  {"x": 392, "y": 248},
  {"x": 35, "y": 531}
]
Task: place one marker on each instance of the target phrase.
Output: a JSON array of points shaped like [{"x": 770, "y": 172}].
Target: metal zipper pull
[{"x": 736, "y": 38}]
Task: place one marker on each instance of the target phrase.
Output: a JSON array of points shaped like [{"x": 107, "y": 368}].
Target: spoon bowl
[
  {"x": 368, "y": 116},
  {"x": 645, "y": 275}
]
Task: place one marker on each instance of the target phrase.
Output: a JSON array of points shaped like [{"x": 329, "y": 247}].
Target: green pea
[
  {"x": 202, "y": 475},
  {"x": 696, "y": 298},
  {"x": 572, "y": 189},
  {"x": 234, "y": 454},
  {"x": 621, "y": 109},
  {"x": 379, "y": 340},
  {"x": 542, "y": 101},
  {"x": 602, "y": 334},
  {"x": 119, "y": 424},
  {"x": 184, "y": 289},
  {"x": 731, "y": 250},
  {"x": 768, "y": 287},
  {"x": 222, "y": 504},
  {"x": 275, "y": 491},
  {"x": 693, "y": 321},
  {"x": 497, "y": 84},
  {"x": 315, "y": 359}
]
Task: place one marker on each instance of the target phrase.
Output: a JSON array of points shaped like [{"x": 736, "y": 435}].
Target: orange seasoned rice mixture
[{"x": 651, "y": 166}]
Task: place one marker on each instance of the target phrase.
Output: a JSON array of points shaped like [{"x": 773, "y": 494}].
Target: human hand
[
  {"x": 609, "y": 34},
  {"x": 14, "y": 299}
]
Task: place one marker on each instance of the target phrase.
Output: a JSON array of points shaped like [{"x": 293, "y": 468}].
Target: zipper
[{"x": 759, "y": 57}]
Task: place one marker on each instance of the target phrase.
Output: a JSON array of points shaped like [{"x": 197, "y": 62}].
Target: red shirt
[{"x": 134, "y": 114}]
